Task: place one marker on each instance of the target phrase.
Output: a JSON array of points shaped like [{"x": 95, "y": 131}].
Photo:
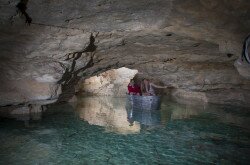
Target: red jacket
[{"x": 134, "y": 89}]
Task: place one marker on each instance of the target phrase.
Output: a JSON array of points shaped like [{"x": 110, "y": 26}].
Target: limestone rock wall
[
  {"x": 112, "y": 82},
  {"x": 188, "y": 45}
]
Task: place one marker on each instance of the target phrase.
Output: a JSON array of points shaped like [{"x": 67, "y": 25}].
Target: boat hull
[{"x": 144, "y": 102}]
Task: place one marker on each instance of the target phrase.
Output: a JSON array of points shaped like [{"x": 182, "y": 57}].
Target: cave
[{"x": 66, "y": 66}]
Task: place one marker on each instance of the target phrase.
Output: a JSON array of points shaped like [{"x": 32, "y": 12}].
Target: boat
[{"x": 144, "y": 102}]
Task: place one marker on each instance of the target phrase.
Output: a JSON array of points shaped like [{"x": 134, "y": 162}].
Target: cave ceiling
[{"x": 178, "y": 41}]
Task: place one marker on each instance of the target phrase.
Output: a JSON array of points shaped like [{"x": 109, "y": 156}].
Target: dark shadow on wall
[
  {"x": 22, "y": 7},
  {"x": 70, "y": 78}
]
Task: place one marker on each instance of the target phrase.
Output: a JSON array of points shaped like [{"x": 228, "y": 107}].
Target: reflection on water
[
  {"x": 107, "y": 112},
  {"x": 227, "y": 114},
  {"x": 118, "y": 115},
  {"x": 106, "y": 130}
]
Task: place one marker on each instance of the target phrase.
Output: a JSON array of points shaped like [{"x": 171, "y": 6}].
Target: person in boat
[
  {"x": 147, "y": 87},
  {"x": 133, "y": 89}
]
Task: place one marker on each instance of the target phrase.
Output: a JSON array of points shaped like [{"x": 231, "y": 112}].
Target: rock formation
[
  {"x": 188, "y": 45},
  {"x": 113, "y": 82}
]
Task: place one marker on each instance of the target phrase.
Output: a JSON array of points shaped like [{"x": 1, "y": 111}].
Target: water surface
[{"x": 105, "y": 130}]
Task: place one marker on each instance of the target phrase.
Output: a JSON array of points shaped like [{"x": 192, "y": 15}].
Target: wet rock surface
[{"x": 183, "y": 44}]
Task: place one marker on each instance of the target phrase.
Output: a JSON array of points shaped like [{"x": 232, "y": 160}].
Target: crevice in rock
[
  {"x": 169, "y": 60},
  {"x": 229, "y": 55},
  {"x": 169, "y": 34},
  {"x": 22, "y": 7},
  {"x": 90, "y": 48},
  {"x": 70, "y": 77}
]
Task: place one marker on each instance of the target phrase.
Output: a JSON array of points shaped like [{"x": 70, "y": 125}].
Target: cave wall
[{"x": 188, "y": 45}]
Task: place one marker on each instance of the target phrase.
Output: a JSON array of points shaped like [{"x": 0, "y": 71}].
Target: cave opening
[{"x": 112, "y": 82}]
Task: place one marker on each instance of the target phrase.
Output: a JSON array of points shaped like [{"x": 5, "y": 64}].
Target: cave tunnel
[{"x": 66, "y": 65}]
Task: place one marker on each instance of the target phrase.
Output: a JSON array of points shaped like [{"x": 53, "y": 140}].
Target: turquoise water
[{"x": 103, "y": 130}]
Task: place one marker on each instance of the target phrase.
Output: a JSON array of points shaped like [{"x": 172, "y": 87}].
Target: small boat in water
[{"x": 144, "y": 102}]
